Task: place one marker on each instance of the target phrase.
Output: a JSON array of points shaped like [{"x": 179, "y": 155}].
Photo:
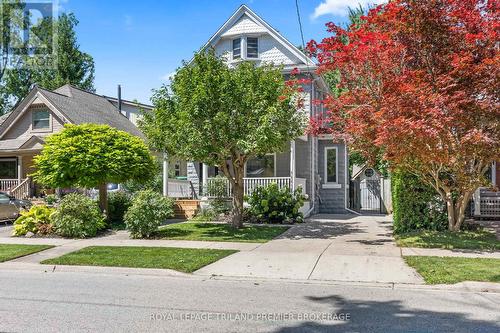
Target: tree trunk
[
  {"x": 238, "y": 195},
  {"x": 103, "y": 198},
  {"x": 456, "y": 209}
]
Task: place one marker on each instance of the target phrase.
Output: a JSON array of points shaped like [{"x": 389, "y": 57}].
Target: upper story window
[
  {"x": 41, "y": 119},
  {"x": 237, "y": 48},
  {"x": 245, "y": 48},
  {"x": 252, "y": 47}
]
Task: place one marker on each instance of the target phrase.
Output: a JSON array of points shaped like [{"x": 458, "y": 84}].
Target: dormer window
[
  {"x": 245, "y": 48},
  {"x": 41, "y": 119},
  {"x": 237, "y": 48},
  {"x": 252, "y": 47}
]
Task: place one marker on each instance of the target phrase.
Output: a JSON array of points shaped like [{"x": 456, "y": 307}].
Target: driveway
[{"x": 327, "y": 247}]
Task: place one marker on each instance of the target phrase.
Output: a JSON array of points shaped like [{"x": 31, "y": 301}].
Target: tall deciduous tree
[
  {"x": 224, "y": 117},
  {"x": 91, "y": 156},
  {"x": 421, "y": 86},
  {"x": 71, "y": 65}
]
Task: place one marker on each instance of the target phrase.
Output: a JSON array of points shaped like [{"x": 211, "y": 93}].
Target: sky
[{"x": 138, "y": 44}]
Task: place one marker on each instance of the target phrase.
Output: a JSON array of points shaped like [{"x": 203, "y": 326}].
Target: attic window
[
  {"x": 252, "y": 47},
  {"x": 41, "y": 119},
  {"x": 237, "y": 48}
]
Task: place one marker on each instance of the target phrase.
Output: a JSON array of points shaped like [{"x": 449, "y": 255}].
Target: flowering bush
[
  {"x": 148, "y": 210},
  {"x": 271, "y": 204}
]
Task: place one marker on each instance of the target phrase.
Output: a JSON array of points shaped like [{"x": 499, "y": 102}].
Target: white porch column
[
  {"x": 19, "y": 169},
  {"x": 165, "y": 174},
  {"x": 292, "y": 165},
  {"x": 204, "y": 175}
]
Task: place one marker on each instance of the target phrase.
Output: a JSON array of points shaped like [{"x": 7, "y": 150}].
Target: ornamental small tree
[
  {"x": 224, "y": 117},
  {"x": 90, "y": 156},
  {"x": 420, "y": 86}
]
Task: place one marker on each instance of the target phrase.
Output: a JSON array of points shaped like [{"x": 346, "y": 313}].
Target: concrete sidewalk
[
  {"x": 414, "y": 251},
  {"x": 328, "y": 248}
]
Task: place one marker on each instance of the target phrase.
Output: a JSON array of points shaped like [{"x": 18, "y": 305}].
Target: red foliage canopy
[{"x": 422, "y": 81}]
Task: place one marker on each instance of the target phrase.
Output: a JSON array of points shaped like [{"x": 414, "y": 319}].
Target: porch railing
[
  {"x": 22, "y": 191},
  {"x": 8, "y": 184},
  {"x": 250, "y": 184},
  {"x": 486, "y": 203},
  {"x": 181, "y": 189}
]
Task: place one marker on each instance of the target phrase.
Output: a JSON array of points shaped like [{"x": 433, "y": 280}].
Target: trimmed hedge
[{"x": 416, "y": 206}]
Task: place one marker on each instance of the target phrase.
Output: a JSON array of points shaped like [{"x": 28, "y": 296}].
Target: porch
[
  {"x": 14, "y": 175},
  {"x": 486, "y": 204}
]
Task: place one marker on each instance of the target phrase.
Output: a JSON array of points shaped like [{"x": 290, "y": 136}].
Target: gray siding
[
  {"x": 332, "y": 199},
  {"x": 283, "y": 163},
  {"x": 303, "y": 162},
  {"x": 22, "y": 127}
]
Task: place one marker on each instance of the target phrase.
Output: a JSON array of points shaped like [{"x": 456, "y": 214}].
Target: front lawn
[
  {"x": 179, "y": 259},
  {"x": 13, "y": 251},
  {"x": 477, "y": 240},
  {"x": 449, "y": 270},
  {"x": 219, "y": 232}
]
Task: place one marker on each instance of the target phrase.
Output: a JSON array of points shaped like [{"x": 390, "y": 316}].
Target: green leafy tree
[
  {"x": 224, "y": 117},
  {"x": 91, "y": 156},
  {"x": 71, "y": 64}
]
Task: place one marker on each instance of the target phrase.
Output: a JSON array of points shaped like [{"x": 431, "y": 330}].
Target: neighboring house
[
  {"x": 42, "y": 113},
  {"x": 487, "y": 200},
  {"x": 317, "y": 164}
]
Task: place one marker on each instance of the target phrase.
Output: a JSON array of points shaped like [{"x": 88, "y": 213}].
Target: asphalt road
[{"x": 32, "y": 301}]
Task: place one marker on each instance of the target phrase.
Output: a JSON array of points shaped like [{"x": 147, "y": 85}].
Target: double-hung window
[
  {"x": 252, "y": 47},
  {"x": 237, "y": 48},
  {"x": 41, "y": 119}
]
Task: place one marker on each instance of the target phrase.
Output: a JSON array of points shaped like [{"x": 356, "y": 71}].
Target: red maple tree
[{"x": 420, "y": 82}]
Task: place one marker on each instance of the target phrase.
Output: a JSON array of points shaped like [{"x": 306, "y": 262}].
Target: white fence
[{"x": 250, "y": 184}]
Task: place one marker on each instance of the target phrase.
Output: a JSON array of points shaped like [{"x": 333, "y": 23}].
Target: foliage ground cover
[
  {"x": 477, "y": 240},
  {"x": 12, "y": 251},
  {"x": 449, "y": 270},
  {"x": 179, "y": 259},
  {"x": 219, "y": 232}
]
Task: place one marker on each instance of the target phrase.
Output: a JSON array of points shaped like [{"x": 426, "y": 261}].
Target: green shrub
[
  {"x": 271, "y": 204},
  {"x": 51, "y": 199},
  {"x": 35, "y": 220},
  {"x": 416, "y": 206},
  {"x": 78, "y": 216},
  {"x": 148, "y": 210},
  {"x": 118, "y": 203},
  {"x": 218, "y": 189}
]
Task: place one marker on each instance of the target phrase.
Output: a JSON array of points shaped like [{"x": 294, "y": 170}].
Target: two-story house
[{"x": 317, "y": 164}]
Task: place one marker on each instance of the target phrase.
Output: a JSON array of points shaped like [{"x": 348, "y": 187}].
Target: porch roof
[{"x": 19, "y": 143}]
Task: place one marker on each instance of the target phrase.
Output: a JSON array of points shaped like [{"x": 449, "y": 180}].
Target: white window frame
[
  {"x": 326, "y": 183},
  {"x": 274, "y": 171},
  {"x": 44, "y": 129},
  {"x": 241, "y": 49},
  {"x": 246, "y": 48}
]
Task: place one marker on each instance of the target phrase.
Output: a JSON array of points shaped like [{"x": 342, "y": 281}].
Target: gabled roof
[
  {"x": 76, "y": 106},
  {"x": 20, "y": 143},
  {"x": 251, "y": 22}
]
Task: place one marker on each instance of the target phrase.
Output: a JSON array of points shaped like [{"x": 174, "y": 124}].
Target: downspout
[
  {"x": 347, "y": 178},
  {"x": 313, "y": 171}
]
